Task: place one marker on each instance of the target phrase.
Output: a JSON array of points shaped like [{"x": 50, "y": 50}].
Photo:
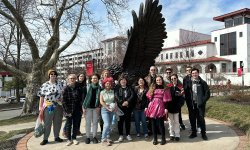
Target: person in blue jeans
[
  {"x": 140, "y": 105},
  {"x": 107, "y": 100}
]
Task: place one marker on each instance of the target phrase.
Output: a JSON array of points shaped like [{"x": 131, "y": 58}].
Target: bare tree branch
[
  {"x": 8, "y": 17},
  {"x": 12, "y": 69},
  {"x": 25, "y": 30},
  {"x": 61, "y": 49},
  {"x": 77, "y": 2}
]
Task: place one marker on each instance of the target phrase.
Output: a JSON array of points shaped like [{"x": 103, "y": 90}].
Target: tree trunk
[{"x": 34, "y": 81}]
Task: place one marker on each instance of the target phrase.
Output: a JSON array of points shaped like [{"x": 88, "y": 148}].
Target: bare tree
[
  {"x": 187, "y": 42},
  {"x": 116, "y": 54},
  {"x": 43, "y": 27}
]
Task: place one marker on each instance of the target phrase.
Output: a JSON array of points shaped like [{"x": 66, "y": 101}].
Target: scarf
[
  {"x": 87, "y": 100},
  {"x": 194, "y": 89}
]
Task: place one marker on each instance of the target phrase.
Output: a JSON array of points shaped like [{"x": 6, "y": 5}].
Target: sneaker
[
  {"x": 109, "y": 140},
  {"x": 69, "y": 142},
  {"x": 44, "y": 142},
  {"x": 129, "y": 138},
  {"x": 106, "y": 143},
  {"x": 75, "y": 142},
  {"x": 138, "y": 135},
  {"x": 87, "y": 140},
  {"x": 120, "y": 138},
  {"x": 145, "y": 136},
  {"x": 58, "y": 139},
  {"x": 177, "y": 138},
  {"x": 95, "y": 140},
  {"x": 192, "y": 135}
]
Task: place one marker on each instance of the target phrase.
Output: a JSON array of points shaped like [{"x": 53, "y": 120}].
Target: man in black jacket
[{"x": 196, "y": 93}]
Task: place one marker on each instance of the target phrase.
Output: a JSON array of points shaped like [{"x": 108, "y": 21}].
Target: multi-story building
[
  {"x": 233, "y": 41},
  {"x": 218, "y": 57},
  {"x": 110, "y": 52}
]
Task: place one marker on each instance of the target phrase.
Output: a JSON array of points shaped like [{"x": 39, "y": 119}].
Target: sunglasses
[{"x": 168, "y": 72}]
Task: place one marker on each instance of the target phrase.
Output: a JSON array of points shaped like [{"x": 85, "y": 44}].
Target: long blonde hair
[{"x": 153, "y": 85}]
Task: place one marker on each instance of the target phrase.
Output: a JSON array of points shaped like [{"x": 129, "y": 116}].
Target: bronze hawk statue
[{"x": 145, "y": 42}]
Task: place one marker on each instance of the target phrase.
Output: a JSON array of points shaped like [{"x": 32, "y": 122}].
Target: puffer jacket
[{"x": 156, "y": 106}]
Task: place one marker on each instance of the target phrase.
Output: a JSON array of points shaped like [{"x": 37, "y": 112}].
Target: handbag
[
  {"x": 119, "y": 112},
  {"x": 39, "y": 128}
]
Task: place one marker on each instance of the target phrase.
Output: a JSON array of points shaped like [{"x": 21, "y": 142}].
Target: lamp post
[
  {"x": 210, "y": 70},
  {"x": 242, "y": 65}
]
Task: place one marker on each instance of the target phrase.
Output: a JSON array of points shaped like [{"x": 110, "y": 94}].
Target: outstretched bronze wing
[{"x": 145, "y": 39}]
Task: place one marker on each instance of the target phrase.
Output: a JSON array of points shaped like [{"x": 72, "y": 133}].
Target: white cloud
[{"x": 186, "y": 14}]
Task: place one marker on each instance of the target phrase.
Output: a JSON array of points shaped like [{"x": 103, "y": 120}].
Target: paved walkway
[{"x": 220, "y": 136}]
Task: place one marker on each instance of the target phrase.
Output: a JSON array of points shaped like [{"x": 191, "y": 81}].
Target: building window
[
  {"x": 171, "y": 55},
  {"x": 176, "y": 54},
  {"x": 247, "y": 20},
  {"x": 228, "y": 44},
  {"x": 234, "y": 66},
  {"x": 215, "y": 39},
  {"x": 223, "y": 67},
  {"x": 187, "y": 54},
  {"x": 238, "y": 21},
  {"x": 161, "y": 56},
  {"x": 229, "y": 23},
  {"x": 181, "y": 55},
  {"x": 240, "y": 34},
  {"x": 167, "y": 56},
  {"x": 192, "y": 53}
]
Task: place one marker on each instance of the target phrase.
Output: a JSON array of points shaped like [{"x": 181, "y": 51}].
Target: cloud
[{"x": 186, "y": 14}]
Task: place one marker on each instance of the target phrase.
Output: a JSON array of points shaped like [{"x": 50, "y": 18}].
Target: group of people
[{"x": 152, "y": 101}]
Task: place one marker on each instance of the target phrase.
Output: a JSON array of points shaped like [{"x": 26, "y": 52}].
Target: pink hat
[{"x": 104, "y": 81}]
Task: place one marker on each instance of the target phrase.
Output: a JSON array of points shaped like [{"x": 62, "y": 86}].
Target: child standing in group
[{"x": 158, "y": 95}]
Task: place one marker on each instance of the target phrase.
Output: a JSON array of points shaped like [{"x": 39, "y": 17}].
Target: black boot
[
  {"x": 204, "y": 136},
  {"x": 192, "y": 135}
]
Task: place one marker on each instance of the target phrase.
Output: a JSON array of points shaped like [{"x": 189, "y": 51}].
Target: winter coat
[
  {"x": 156, "y": 106},
  {"x": 177, "y": 98},
  {"x": 141, "y": 100},
  {"x": 125, "y": 94},
  {"x": 203, "y": 93}
]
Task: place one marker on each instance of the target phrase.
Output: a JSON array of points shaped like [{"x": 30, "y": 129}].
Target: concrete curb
[
  {"x": 22, "y": 144},
  {"x": 10, "y": 109},
  {"x": 242, "y": 136}
]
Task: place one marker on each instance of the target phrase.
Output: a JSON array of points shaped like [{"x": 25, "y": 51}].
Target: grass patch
[
  {"x": 5, "y": 136},
  {"x": 18, "y": 120},
  {"x": 222, "y": 108}
]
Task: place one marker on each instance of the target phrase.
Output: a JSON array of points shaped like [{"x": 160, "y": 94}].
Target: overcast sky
[{"x": 186, "y": 14}]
